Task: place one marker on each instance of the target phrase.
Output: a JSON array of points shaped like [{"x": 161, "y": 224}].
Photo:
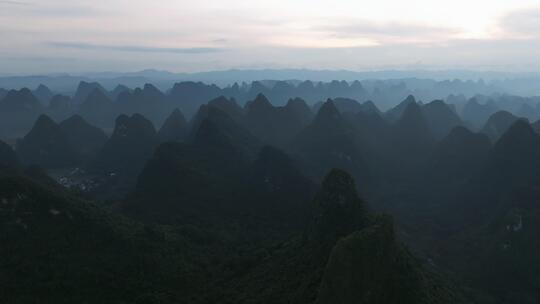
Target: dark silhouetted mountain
[
  {"x": 528, "y": 111},
  {"x": 338, "y": 209},
  {"x": 328, "y": 142},
  {"x": 458, "y": 156},
  {"x": 175, "y": 127},
  {"x": 85, "y": 89},
  {"x": 347, "y": 105},
  {"x": 19, "y": 102},
  {"x": 129, "y": 147},
  {"x": 372, "y": 136},
  {"x": 43, "y": 94},
  {"x": 257, "y": 88},
  {"x": 46, "y": 145},
  {"x": 119, "y": 89},
  {"x": 411, "y": 138},
  {"x": 390, "y": 274},
  {"x": 497, "y": 124},
  {"x": 228, "y": 106},
  {"x": 191, "y": 181},
  {"x": 296, "y": 115},
  {"x": 85, "y": 139},
  {"x": 216, "y": 130},
  {"x": 395, "y": 113},
  {"x": 477, "y": 114},
  {"x": 18, "y": 111},
  {"x": 279, "y": 186},
  {"x": 515, "y": 156},
  {"x": 276, "y": 125},
  {"x": 317, "y": 106},
  {"x": 149, "y": 102},
  {"x": 189, "y": 96},
  {"x": 60, "y": 107},
  {"x": 440, "y": 118},
  {"x": 261, "y": 118},
  {"x": 536, "y": 126},
  {"x": 369, "y": 107},
  {"x": 98, "y": 109},
  {"x": 8, "y": 157},
  {"x": 47, "y": 233}
]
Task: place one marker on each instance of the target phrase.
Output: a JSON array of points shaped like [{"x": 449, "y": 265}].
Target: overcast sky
[{"x": 48, "y": 36}]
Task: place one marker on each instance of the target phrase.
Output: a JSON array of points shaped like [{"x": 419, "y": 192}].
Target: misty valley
[{"x": 368, "y": 191}]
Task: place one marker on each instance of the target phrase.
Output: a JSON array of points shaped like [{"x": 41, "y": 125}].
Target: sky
[{"x": 76, "y": 36}]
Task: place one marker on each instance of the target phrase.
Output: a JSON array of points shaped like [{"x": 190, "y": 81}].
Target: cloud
[
  {"x": 50, "y": 9},
  {"x": 393, "y": 31},
  {"x": 522, "y": 23},
  {"x": 14, "y": 2},
  {"x": 132, "y": 48}
]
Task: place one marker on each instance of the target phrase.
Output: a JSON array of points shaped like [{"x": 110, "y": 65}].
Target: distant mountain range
[{"x": 525, "y": 84}]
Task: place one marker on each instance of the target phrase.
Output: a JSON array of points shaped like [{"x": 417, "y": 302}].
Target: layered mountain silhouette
[
  {"x": 411, "y": 139},
  {"x": 18, "y": 111},
  {"x": 60, "y": 107},
  {"x": 347, "y": 105},
  {"x": 394, "y": 114},
  {"x": 47, "y": 145},
  {"x": 276, "y": 125},
  {"x": 175, "y": 127},
  {"x": 328, "y": 142},
  {"x": 132, "y": 143},
  {"x": 477, "y": 114},
  {"x": 440, "y": 118},
  {"x": 228, "y": 106},
  {"x": 85, "y": 139},
  {"x": 43, "y": 94},
  {"x": 85, "y": 89},
  {"x": 498, "y": 124},
  {"x": 97, "y": 109},
  {"x": 8, "y": 157},
  {"x": 148, "y": 101},
  {"x": 515, "y": 155},
  {"x": 254, "y": 199},
  {"x": 459, "y": 155}
]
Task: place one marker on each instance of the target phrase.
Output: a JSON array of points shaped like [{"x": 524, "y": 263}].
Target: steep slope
[
  {"x": 369, "y": 107},
  {"x": 212, "y": 127},
  {"x": 411, "y": 140},
  {"x": 345, "y": 256},
  {"x": 230, "y": 107},
  {"x": 515, "y": 156},
  {"x": 276, "y": 125},
  {"x": 148, "y": 101},
  {"x": 60, "y": 107},
  {"x": 458, "y": 156},
  {"x": 189, "y": 96},
  {"x": 43, "y": 94},
  {"x": 394, "y": 114},
  {"x": 175, "y": 127},
  {"x": 440, "y": 118},
  {"x": 84, "y": 89},
  {"x": 8, "y": 157},
  {"x": 328, "y": 142},
  {"x": 347, "y": 105},
  {"x": 46, "y": 239},
  {"x": 47, "y": 145},
  {"x": 85, "y": 139},
  {"x": 18, "y": 111},
  {"x": 477, "y": 114},
  {"x": 498, "y": 123},
  {"x": 98, "y": 109},
  {"x": 129, "y": 147}
]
